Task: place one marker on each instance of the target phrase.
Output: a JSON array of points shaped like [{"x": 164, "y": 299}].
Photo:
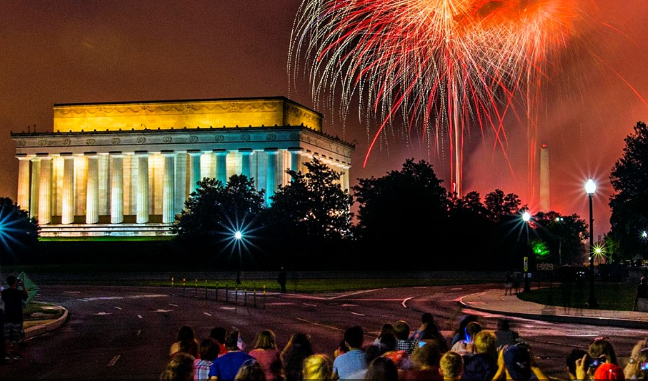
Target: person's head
[
  {"x": 354, "y": 337},
  {"x": 451, "y": 365},
  {"x": 231, "y": 339},
  {"x": 472, "y": 329},
  {"x": 608, "y": 371},
  {"x": 427, "y": 356},
  {"x": 401, "y": 330},
  {"x": 386, "y": 328},
  {"x": 179, "y": 368},
  {"x": 643, "y": 280},
  {"x": 464, "y": 321},
  {"x": 12, "y": 280},
  {"x": 574, "y": 355},
  {"x": 600, "y": 346},
  {"x": 634, "y": 362},
  {"x": 517, "y": 360},
  {"x": 427, "y": 318},
  {"x": 388, "y": 341},
  {"x": 218, "y": 334},
  {"x": 318, "y": 366},
  {"x": 266, "y": 339},
  {"x": 250, "y": 370},
  {"x": 637, "y": 367},
  {"x": 186, "y": 334},
  {"x": 300, "y": 342},
  {"x": 381, "y": 368},
  {"x": 208, "y": 350},
  {"x": 503, "y": 325},
  {"x": 485, "y": 341}
]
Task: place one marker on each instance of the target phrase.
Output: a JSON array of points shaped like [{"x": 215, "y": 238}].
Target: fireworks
[{"x": 445, "y": 66}]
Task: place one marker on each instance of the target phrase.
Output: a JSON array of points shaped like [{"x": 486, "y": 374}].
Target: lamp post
[
  {"x": 238, "y": 236},
  {"x": 590, "y": 188},
  {"x": 526, "y": 216}
]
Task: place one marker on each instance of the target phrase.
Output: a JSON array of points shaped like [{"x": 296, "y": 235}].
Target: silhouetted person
[{"x": 282, "y": 279}]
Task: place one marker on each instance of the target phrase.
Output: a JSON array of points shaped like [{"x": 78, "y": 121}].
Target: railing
[{"x": 236, "y": 294}]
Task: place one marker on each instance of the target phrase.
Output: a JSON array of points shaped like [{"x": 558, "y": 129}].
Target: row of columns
[{"x": 35, "y": 182}]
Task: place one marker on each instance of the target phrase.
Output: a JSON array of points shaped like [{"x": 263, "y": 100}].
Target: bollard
[
  {"x": 245, "y": 296},
  {"x": 236, "y": 294},
  {"x": 184, "y": 287}
]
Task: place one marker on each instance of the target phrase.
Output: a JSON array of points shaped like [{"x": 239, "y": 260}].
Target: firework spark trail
[{"x": 442, "y": 65}]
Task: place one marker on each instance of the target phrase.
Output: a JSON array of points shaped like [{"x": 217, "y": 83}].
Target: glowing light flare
[{"x": 444, "y": 66}]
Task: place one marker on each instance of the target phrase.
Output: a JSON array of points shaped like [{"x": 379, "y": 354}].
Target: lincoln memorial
[{"x": 126, "y": 168}]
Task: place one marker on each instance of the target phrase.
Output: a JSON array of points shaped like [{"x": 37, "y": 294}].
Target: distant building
[{"x": 126, "y": 169}]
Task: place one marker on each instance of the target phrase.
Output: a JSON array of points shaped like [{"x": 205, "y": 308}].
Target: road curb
[
  {"x": 49, "y": 326},
  {"x": 599, "y": 321}
]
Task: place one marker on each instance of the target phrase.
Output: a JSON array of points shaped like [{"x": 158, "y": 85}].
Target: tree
[
  {"x": 405, "y": 210},
  {"x": 312, "y": 205},
  {"x": 18, "y": 232},
  {"x": 215, "y": 211},
  {"x": 500, "y": 205},
  {"x": 310, "y": 215},
  {"x": 629, "y": 203}
]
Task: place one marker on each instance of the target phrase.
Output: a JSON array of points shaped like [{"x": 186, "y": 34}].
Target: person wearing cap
[{"x": 516, "y": 362}]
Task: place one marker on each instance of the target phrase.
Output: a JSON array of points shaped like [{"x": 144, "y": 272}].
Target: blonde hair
[
  {"x": 451, "y": 365},
  {"x": 485, "y": 342},
  {"x": 318, "y": 367}
]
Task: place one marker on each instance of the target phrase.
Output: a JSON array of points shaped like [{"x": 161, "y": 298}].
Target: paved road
[{"x": 124, "y": 332}]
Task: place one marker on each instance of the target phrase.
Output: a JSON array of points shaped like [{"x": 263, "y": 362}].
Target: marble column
[
  {"x": 221, "y": 165},
  {"x": 67, "y": 213},
  {"x": 168, "y": 210},
  {"x": 34, "y": 196},
  {"x": 180, "y": 194},
  {"x": 246, "y": 162},
  {"x": 116, "y": 188},
  {"x": 295, "y": 158},
  {"x": 195, "y": 169},
  {"x": 45, "y": 191},
  {"x": 23, "y": 182},
  {"x": 271, "y": 174},
  {"x": 142, "y": 188},
  {"x": 92, "y": 189}
]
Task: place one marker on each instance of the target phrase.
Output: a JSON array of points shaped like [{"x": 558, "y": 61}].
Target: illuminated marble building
[{"x": 126, "y": 169}]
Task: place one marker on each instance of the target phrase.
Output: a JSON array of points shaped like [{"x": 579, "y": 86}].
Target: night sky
[{"x": 84, "y": 51}]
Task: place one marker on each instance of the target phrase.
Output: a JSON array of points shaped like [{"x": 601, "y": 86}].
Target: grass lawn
[{"x": 610, "y": 296}]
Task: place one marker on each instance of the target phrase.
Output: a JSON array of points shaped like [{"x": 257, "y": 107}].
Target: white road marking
[
  {"x": 71, "y": 292},
  {"x": 161, "y": 310},
  {"x": 310, "y": 305},
  {"x": 119, "y": 308},
  {"x": 404, "y": 303},
  {"x": 138, "y": 332},
  {"x": 207, "y": 313},
  {"x": 357, "y": 313},
  {"x": 121, "y": 297},
  {"x": 280, "y": 304},
  {"x": 228, "y": 308},
  {"x": 173, "y": 305},
  {"x": 103, "y": 313},
  {"x": 114, "y": 360},
  {"x": 139, "y": 316}
]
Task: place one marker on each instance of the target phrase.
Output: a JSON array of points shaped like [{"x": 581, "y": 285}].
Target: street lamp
[
  {"x": 526, "y": 216},
  {"x": 590, "y": 188},
  {"x": 237, "y": 237}
]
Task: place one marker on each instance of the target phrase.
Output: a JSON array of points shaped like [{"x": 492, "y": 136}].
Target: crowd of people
[{"x": 397, "y": 353}]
